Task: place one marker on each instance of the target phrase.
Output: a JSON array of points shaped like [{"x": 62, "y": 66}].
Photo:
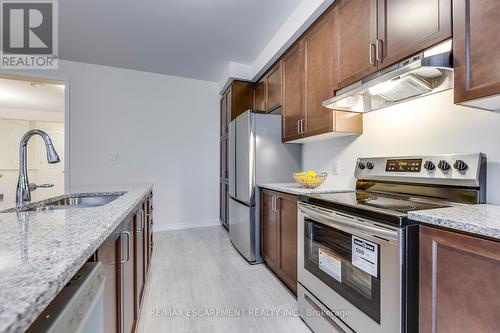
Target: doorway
[{"x": 26, "y": 104}]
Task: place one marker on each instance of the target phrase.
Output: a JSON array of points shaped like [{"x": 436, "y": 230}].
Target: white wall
[
  {"x": 28, "y": 114},
  {"x": 423, "y": 126},
  {"x": 164, "y": 129}
]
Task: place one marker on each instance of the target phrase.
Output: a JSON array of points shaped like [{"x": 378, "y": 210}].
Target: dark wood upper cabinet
[
  {"x": 293, "y": 90},
  {"x": 406, "y": 27},
  {"x": 309, "y": 78},
  {"x": 223, "y": 116},
  {"x": 354, "y": 40},
  {"x": 476, "y": 50},
  {"x": 372, "y": 34},
  {"x": 319, "y": 76},
  {"x": 287, "y": 211},
  {"x": 274, "y": 88},
  {"x": 259, "y": 96},
  {"x": 269, "y": 230},
  {"x": 239, "y": 98},
  {"x": 459, "y": 281}
]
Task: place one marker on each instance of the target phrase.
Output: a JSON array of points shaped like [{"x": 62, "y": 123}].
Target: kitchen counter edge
[
  {"x": 25, "y": 291},
  {"x": 481, "y": 220}
]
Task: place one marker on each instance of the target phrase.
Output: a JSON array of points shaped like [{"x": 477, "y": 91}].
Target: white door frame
[{"x": 16, "y": 75}]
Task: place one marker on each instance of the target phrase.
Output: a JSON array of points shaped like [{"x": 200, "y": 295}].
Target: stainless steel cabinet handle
[
  {"x": 128, "y": 246},
  {"x": 298, "y": 126},
  {"x": 274, "y": 203},
  {"x": 302, "y": 126},
  {"x": 371, "y": 56},
  {"x": 380, "y": 49},
  {"x": 276, "y": 209},
  {"x": 141, "y": 211}
]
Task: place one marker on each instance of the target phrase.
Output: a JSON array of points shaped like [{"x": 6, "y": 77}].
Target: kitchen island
[{"x": 41, "y": 251}]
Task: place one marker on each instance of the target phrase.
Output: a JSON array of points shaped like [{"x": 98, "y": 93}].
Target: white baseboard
[{"x": 179, "y": 226}]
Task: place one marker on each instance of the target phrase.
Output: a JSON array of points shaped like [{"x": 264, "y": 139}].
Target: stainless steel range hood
[{"x": 423, "y": 74}]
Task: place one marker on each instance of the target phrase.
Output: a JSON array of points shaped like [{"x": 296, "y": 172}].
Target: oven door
[{"x": 353, "y": 267}]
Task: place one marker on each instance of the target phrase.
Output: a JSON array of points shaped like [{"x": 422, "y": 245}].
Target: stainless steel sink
[{"x": 68, "y": 202}]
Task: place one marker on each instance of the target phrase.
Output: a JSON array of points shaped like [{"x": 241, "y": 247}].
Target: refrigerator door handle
[{"x": 232, "y": 158}]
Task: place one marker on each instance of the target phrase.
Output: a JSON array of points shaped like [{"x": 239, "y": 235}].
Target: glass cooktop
[{"x": 393, "y": 204}]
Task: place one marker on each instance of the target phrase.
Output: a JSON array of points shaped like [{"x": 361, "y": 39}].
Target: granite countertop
[
  {"x": 41, "y": 251},
  {"x": 483, "y": 220},
  {"x": 296, "y": 189}
]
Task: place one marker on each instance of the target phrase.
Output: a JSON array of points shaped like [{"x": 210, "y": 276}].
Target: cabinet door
[
  {"x": 223, "y": 158},
  {"x": 240, "y": 98},
  {"x": 140, "y": 269},
  {"x": 229, "y": 105},
  {"x": 406, "y": 27},
  {"x": 109, "y": 255},
  {"x": 476, "y": 49},
  {"x": 354, "y": 39},
  {"x": 223, "y": 116},
  {"x": 224, "y": 204},
  {"x": 288, "y": 240},
  {"x": 127, "y": 276},
  {"x": 293, "y": 78},
  {"x": 269, "y": 246},
  {"x": 319, "y": 76},
  {"x": 150, "y": 228},
  {"x": 274, "y": 88},
  {"x": 459, "y": 282},
  {"x": 259, "y": 102}
]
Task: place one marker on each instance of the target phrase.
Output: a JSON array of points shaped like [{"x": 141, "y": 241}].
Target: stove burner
[{"x": 394, "y": 204}]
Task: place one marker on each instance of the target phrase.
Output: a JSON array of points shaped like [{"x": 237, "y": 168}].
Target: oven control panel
[
  {"x": 403, "y": 165},
  {"x": 445, "y": 169}
]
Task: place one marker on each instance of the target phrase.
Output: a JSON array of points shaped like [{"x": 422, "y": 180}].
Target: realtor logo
[{"x": 29, "y": 34}]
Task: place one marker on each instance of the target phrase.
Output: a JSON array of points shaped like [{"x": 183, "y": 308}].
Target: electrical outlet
[{"x": 335, "y": 168}]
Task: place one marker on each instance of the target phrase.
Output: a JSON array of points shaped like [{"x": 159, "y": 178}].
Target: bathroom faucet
[{"x": 24, "y": 188}]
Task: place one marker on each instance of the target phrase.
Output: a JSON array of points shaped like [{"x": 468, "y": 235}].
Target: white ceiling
[
  {"x": 15, "y": 94},
  {"x": 189, "y": 38}
]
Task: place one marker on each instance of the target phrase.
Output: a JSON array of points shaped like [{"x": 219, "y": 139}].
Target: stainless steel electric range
[{"x": 358, "y": 252}]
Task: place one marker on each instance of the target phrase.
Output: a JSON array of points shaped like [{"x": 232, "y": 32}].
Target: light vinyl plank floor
[{"x": 199, "y": 283}]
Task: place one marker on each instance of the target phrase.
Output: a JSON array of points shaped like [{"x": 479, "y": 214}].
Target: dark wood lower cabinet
[
  {"x": 109, "y": 255},
  {"x": 127, "y": 265},
  {"x": 126, "y": 256},
  {"x": 459, "y": 282},
  {"x": 269, "y": 230},
  {"x": 140, "y": 257},
  {"x": 278, "y": 219}
]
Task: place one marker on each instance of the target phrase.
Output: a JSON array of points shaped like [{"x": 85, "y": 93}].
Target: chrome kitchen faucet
[{"x": 24, "y": 188}]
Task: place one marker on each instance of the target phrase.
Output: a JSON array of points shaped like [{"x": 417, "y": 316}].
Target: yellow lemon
[{"x": 311, "y": 173}]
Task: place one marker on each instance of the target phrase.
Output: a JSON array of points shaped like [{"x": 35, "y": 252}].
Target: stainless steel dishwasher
[{"x": 79, "y": 305}]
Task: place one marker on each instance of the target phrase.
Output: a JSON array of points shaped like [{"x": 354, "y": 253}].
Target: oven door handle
[{"x": 348, "y": 224}]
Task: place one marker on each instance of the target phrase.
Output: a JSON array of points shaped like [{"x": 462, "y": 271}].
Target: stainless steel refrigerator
[{"x": 256, "y": 155}]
